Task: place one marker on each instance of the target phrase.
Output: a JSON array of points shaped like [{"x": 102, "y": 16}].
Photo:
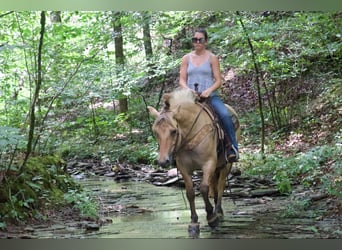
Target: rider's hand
[{"x": 205, "y": 94}]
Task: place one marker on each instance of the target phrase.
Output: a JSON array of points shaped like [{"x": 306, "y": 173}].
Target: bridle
[{"x": 181, "y": 141}]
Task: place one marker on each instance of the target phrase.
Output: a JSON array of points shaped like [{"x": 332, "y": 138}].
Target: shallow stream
[{"x": 137, "y": 209}]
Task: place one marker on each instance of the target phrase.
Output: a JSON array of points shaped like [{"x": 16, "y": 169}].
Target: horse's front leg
[
  {"x": 190, "y": 194},
  {"x": 193, "y": 228},
  {"x": 204, "y": 189}
]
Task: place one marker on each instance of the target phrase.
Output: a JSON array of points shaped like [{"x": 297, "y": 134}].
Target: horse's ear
[
  {"x": 153, "y": 111},
  {"x": 166, "y": 98}
]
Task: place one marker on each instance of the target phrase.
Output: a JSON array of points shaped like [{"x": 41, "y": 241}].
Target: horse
[{"x": 187, "y": 135}]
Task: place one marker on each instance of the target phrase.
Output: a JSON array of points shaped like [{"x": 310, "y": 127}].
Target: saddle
[{"x": 224, "y": 139}]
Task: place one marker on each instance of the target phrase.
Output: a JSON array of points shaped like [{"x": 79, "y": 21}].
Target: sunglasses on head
[{"x": 196, "y": 40}]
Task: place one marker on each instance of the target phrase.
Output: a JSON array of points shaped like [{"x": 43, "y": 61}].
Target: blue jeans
[{"x": 225, "y": 117}]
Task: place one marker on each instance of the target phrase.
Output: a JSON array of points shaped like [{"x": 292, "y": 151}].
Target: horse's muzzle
[{"x": 165, "y": 162}]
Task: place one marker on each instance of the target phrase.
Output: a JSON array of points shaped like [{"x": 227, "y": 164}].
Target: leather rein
[{"x": 183, "y": 142}]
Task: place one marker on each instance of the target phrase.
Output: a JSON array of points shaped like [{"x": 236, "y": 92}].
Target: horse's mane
[{"x": 181, "y": 95}]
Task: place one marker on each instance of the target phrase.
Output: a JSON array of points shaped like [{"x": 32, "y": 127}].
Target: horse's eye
[{"x": 173, "y": 132}]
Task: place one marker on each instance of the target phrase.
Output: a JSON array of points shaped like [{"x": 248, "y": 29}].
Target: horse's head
[
  {"x": 166, "y": 125},
  {"x": 165, "y": 129}
]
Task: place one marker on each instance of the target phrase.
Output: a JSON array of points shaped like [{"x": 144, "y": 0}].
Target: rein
[{"x": 185, "y": 141}]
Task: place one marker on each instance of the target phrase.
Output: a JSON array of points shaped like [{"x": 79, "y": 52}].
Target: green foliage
[
  {"x": 318, "y": 166},
  {"x": 10, "y": 138},
  {"x": 288, "y": 56},
  {"x": 137, "y": 153},
  {"x": 80, "y": 70},
  {"x": 84, "y": 202},
  {"x": 40, "y": 185},
  {"x": 296, "y": 208},
  {"x": 299, "y": 54}
]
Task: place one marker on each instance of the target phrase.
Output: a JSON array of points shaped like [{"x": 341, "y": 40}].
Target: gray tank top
[{"x": 202, "y": 74}]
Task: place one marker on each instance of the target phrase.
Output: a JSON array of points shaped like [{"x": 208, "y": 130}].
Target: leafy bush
[
  {"x": 40, "y": 185},
  {"x": 84, "y": 202},
  {"x": 296, "y": 208},
  {"x": 318, "y": 166}
]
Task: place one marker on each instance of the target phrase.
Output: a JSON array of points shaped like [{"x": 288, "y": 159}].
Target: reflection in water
[
  {"x": 142, "y": 210},
  {"x": 163, "y": 212}
]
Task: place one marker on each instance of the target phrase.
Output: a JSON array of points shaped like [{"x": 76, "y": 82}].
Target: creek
[{"x": 138, "y": 209}]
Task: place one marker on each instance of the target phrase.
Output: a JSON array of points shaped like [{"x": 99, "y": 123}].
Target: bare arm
[
  {"x": 183, "y": 76},
  {"x": 215, "y": 65}
]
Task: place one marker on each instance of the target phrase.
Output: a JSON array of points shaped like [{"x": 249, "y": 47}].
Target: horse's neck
[{"x": 191, "y": 118}]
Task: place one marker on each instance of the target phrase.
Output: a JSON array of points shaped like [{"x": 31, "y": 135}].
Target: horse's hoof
[
  {"x": 220, "y": 216},
  {"x": 194, "y": 230},
  {"x": 214, "y": 221},
  {"x": 219, "y": 212}
]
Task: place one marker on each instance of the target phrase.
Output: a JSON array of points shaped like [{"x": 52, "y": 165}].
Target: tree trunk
[
  {"x": 119, "y": 55},
  {"x": 257, "y": 75},
  {"x": 55, "y": 17},
  {"x": 38, "y": 83},
  {"x": 146, "y": 18},
  {"x": 151, "y": 67}
]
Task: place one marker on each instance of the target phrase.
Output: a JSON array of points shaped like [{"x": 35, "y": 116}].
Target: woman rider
[{"x": 201, "y": 67}]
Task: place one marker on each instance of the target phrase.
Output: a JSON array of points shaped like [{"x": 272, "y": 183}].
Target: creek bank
[
  {"x": 259, "y": 210},
  {"x": 319, "y": 213}
]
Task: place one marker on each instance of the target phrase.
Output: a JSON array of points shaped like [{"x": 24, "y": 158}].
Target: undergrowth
[
  {"x": 43, "y": 184},
  {"x": 319, "y": 166}
]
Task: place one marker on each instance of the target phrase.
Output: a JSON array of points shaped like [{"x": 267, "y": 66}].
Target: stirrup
[{"x": 233, "y": 157}]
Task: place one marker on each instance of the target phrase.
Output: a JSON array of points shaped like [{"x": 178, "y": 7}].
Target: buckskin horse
[{"x": 188, "y": 135}]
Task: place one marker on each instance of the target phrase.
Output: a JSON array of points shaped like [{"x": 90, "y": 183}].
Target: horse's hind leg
[
  {"x": 221, "y": 185},
  {"x": 214, "y": 193},
  {"x": 204, "y": 189}
]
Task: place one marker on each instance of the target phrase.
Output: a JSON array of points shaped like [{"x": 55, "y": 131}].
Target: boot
[{"x": 233, "y": 155}]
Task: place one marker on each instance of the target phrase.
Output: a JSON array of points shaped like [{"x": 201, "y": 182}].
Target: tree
[
  {"x": 151, "y": 67},
  {"x": 38, "y": 83},
  {"x": 146, "y": 19},
  {"x": 258, "y": 85},
  {"x": 119, "y": 54}
]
